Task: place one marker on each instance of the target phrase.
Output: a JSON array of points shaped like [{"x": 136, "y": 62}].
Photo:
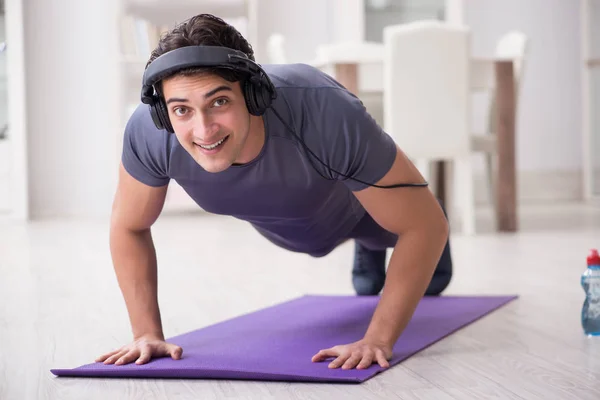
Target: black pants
[{"x": 372, "y": 236}]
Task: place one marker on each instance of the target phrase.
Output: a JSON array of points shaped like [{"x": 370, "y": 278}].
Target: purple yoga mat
[{"x": 277, "y": 343}]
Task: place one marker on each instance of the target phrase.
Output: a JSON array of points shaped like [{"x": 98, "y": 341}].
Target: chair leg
[{"x": 466, "y": 193}]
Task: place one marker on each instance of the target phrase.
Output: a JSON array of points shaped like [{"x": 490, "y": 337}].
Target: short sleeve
[
  {"x": 348, "y": 138},
  {"x": 145, "y": 153}
]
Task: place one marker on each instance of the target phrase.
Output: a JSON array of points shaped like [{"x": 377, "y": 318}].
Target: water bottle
[{"x": 590, "y": 280}]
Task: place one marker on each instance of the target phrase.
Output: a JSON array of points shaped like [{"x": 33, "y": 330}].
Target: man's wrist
[
  {"x": 379, "y": 337},
  {"x": 149, "y": 334}
]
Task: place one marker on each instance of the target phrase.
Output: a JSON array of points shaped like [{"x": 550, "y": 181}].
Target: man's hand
[
  {"x": 142, "y": 350},
  {"x": 359, "y": 354}
]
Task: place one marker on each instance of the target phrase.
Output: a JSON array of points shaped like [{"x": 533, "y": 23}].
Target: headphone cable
[{"x": 424, "y": 184}]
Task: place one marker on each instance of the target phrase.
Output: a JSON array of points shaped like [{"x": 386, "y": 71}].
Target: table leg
[
  {"x": 506, "y": 193},
  {"x": 440, "y": 183}
]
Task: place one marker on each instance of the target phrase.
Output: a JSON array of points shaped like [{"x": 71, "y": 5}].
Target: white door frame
[{"x": 17, "y": 119}]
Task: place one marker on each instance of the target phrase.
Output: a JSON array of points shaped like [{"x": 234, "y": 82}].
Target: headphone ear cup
[
  {"x": 251, "y": 100},
  {"x": 257, "y": 94},
  {"x": 163, "y": 115},
  {"x": 160, "y": 115},
  {"x": 266, "y": 92},
  {"x": 155, "y": 117}
]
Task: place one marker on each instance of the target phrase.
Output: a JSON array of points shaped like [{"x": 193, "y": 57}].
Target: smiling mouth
[{"x": 214, "y": 145}]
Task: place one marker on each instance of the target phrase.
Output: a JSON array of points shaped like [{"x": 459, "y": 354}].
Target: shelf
[{"x": 161, "y": 12}]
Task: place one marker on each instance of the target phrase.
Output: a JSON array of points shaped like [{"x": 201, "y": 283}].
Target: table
[{"x": 346, "y": 72}]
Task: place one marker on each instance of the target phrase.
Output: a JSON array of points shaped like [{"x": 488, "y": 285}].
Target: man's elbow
[
  {"x": 439, "y": 228},
  {"x": 444, "y": 227}
]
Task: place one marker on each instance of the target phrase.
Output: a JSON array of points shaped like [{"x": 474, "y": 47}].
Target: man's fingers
[
  {"x": 175, "y": 351},
  {"x": 128, "y": 357},
  {"x": 339, "y": 361},
  {"x": 103, "y": 357},
  {"x": 366, "y": 361},
  {"x": 145, "y": 355},
  {"x": 383, "y": 362},
  {"x": 116, "y": 356},
  {"x": 353, "y": 360},
  {"x": 141, "y": 353},
  {"x": 324, "y": 354}
]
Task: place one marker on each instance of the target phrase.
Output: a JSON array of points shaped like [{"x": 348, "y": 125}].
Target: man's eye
[
  {"x": 179, "y": 111},
  {"x": 220, "y": 102}
]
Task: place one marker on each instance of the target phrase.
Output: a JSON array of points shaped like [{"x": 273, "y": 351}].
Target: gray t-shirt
[{"x": 286, "y": 194}]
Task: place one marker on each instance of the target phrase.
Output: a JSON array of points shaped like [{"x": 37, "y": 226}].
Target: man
[{"x": 288, "y": 150}]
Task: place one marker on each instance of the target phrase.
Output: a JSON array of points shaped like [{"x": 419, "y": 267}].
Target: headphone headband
[
  {"x": 258, "y": 89},
  {"x": 194, "y": 56}
]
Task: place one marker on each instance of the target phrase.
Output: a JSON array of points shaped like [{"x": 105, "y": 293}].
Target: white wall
[
  {"x": 72, "y": 102},
  {"x": 3, "y": 76},
  {"x": 72, "y": 77},
  {"x": 72, "y": 73},
  {"x": 5, "y": 160},
  {"x": 549, "y": 121}
]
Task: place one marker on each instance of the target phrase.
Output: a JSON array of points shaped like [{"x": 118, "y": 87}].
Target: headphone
[
  {"x": 259, "y": 92},
  {"x": 258, "y": 89}
]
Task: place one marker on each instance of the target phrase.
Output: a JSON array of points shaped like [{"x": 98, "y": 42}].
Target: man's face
[{"x": 210, "y": 118}]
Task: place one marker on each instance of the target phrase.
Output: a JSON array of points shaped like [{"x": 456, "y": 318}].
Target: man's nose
[{"x": 204, "y": 128}]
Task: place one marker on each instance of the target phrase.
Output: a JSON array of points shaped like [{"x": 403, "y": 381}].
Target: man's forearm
[
  {"x": 410, "y": 270},
  {"x": 134, "y": 259}
]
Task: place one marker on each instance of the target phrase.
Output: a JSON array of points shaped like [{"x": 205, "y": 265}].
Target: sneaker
[{"x": 368, "y": 272}]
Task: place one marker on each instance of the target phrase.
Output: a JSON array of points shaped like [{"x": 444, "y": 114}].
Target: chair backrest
[{"x": 426, "y": 88}]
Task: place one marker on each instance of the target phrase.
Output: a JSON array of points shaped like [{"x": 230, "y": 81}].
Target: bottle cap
[{"x": 593, "y": 258}]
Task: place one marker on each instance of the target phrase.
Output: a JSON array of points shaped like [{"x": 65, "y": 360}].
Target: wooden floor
[{"x": 60, "y": 307}]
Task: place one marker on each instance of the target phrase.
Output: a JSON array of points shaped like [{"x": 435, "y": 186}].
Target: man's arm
[
  {"x": 415, "y": 215},
  {"x": 350, "y": 141},
  {"x": 135, "y": 209}
]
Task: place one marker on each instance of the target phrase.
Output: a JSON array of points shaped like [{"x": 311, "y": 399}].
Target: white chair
[
  {"x": 514, "y": 46},
  {"x": 427, "y": 100}
]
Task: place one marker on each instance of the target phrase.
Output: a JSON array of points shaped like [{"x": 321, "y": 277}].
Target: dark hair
[{"x": 204, "y": 30}]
